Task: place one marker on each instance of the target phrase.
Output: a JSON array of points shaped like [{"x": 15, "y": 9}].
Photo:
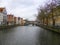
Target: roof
[
  {"x": 1, "y": 9},
  {"x": 10, "y": 15}
]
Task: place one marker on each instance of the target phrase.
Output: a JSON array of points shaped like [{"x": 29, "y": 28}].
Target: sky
[{"x": 26, "y": 9}]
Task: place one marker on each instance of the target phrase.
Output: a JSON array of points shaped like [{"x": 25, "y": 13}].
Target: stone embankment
[{"x": 51, "y": 28}]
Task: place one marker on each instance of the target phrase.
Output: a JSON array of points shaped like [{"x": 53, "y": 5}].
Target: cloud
[{"x": 22, "y": 8}]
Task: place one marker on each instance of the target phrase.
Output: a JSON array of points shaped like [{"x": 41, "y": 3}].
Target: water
[{"x": 28, "y": 35}]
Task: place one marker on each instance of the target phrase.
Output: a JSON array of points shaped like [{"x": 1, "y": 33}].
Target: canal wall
[
  {"x": 51, "y": 28},
  {"x": 8, "y": 26}
]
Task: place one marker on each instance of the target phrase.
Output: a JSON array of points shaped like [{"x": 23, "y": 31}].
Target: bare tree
[{"x": 49, "y": 11}]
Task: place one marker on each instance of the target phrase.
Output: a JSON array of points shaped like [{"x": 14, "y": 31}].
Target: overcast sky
[{"x": 22, "y": 8}]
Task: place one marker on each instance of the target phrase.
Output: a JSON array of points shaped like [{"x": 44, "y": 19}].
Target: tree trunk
[
  {"x": 47, "y": 21},
  {"x": 43, "y": 21},
  {"x": 53, "y": 22}
]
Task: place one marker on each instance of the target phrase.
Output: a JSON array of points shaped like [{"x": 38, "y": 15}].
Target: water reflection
[
  {"x": 28, "y": 35},
  {"x": 48, "y": 38}
]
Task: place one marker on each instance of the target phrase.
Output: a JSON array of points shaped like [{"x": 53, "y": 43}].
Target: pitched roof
[{"x": 1, "y": 9}]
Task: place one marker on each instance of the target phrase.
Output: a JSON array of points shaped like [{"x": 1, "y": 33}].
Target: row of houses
[{"x": 9, "y": 19}]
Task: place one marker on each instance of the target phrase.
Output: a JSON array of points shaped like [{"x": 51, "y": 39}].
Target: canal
[{"x": 28, "y": 35}]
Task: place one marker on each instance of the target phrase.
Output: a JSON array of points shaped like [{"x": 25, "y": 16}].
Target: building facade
[
  {"x": 10, "y": 19},
  {"x": 19, "y": 20},
  {"x": 16, "y": 20},
  {"x": 22, "y": 21},
  {"x": 3, "y": 16}
]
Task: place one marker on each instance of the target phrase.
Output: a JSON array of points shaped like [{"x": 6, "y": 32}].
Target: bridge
[{"x": 31, "y": 22}]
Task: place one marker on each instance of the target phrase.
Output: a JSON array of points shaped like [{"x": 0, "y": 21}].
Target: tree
[{"x": 49, "y": 12}]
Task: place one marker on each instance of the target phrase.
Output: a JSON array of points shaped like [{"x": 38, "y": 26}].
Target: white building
[
  {"x": 17, "y": 22},
  {"x": 3, "y": 16}
]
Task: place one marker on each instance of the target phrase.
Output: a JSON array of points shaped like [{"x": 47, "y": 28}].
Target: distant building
[
  {"x": 57, "y": 20},
  {"x": 15, "y": 20},
  {"x": 19, "y": 20},
  {"x": 3, "y": 16},
  {"x": 10, "y": 19},
  {"x": 22, "y": 21}
]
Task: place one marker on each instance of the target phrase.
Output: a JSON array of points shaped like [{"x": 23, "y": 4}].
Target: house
[
  {"x": 57, "y": 20},
  {"x": 3, "y": 16},
  {"x": 10, "y": 19},
  {"x": 16, "y": 20},
  {"x": 19, "y": 20},
  {"x": 22, "y": 21}
]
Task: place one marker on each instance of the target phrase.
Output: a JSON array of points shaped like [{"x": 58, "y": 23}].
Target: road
[{"x": 28, "y": 35}]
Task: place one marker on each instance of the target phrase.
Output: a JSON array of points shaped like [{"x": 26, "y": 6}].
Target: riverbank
[
  {"x": 8, "y": 26},
  {"x": 51, "y": 28}
]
